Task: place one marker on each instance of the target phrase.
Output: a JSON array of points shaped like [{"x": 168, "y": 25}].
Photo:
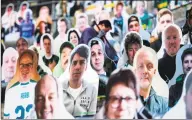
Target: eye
[
  {"x": 93, "y": 54},
  {"x": 150, "y": 66},
  {"x": 39, "y": 99}
]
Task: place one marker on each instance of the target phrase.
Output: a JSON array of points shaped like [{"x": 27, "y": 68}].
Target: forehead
[
  {"x": 96, "y": 47},
  {"x": 133, "y": 45},
  {"x": 21, "y": 41},
  {"x": 146, "y": 57},
  {"x": 66, "y": 49},
  {"x": 188, "y": 56},
  {"x": 77, "y": 57},
  {"x": 133, "y": 23},
  {"x": 25, "y": 58},
  {"x": 73, "y": 33},
  {"x": 171, "y": 30},
  {"x": 47, "y": 84},
  {"x": 165, "y": 16},
  {"x": 46, "y": 40},
  {"x": 119, "y": 88}
]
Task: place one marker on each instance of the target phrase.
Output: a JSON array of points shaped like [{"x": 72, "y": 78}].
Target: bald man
[{"x": 47, "y": 100}]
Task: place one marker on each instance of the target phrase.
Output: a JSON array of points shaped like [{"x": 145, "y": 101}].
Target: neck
[
  {"x": 145, "y": 92},
  {"x": 101, "y": 71},
  {"x": 24, "y": 80},
  {"x": 48, "y": 54},
  {"x": 62, "y": 35},
  {"x": 130, "y": 62},
  {"x": 75, "y": 83}
]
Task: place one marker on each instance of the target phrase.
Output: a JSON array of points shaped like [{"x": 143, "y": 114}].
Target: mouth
[{"x": 46, "y": 115}]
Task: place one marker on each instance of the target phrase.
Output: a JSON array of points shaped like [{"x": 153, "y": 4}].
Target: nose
[
  {"x": 144, "y": 69},
  {"x": 97, "y": 57},
  {"x": 122, "y": 104},
  {"x": 10, "y": 64},
  {"x": 77, "y": 66},
  {"x": 46, "y": 104}
]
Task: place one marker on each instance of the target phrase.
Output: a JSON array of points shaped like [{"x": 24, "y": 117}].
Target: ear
[{"x": 155, "y": 71}]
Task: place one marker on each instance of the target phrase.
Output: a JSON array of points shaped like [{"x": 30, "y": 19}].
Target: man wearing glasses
[{"x": 19, "y": 98}]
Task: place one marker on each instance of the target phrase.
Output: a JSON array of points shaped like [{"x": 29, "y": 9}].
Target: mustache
[{"x": 189, "y": 68}]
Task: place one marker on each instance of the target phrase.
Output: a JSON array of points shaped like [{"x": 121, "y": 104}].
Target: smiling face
[
  {"x": 172, "y": 41},
  {"x": 134, "y": 26},
  {"x": 26, "y": 66},
  {"x": 46, "y": 99},
  {"x": 118, "y": 108},
  {"x": 65, "y": 56},
  {"x": 97, "y": 57},
  {"x": 145, "y": 69},
  {"x": 74, "y": 39},
  {"x": 77, "y": 67}
]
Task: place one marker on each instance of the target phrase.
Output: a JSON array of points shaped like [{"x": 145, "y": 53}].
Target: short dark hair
[
  {"x": 75, "y": 33},
  {"x": 119, "y": 4},
  {"x": 64, "y": 45},
  {"x": 82, "y": 51},
  {"x": 106, "y": 23},
  {"x": 22, "y": 40},
  {"x": 125, "y": 77},
  {"x": 188, "y": 83},
  {"x": 132, "y": 38},
  {"x": 185, "y": 53},
  {"x": 46, "y": 37},
  {"x": 131, "y": 19}
]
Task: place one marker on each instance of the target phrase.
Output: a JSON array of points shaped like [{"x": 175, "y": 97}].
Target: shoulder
[{"x": 14, "y": 85}]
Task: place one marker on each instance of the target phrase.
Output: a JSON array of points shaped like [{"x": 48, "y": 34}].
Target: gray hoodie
[{"x": 84, "y": 104}]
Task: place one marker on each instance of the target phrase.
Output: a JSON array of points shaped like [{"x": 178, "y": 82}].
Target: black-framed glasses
[
  {"x": 116, "y": 100},
  {"x": 28, "y": 65}
]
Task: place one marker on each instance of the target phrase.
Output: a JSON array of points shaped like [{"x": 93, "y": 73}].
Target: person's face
[
  {"x": 119, "y": 108},
  {"x": 164, "y": 21},
  {"x": 77, "y": 67},
  {"x": 9, "y": 9},
  {"x": 145, "y": 69},
  {"x": 132, "y": 49},
  {"x": 62, "y": 27},
  {"x": 26, "y": 66},
  {"x": 119, "y": 9},
  {"x": 97, "y": 57},
  {"x": 82, "y": 24},
  {"x": 187, "y": 63},
  {"x": 24, "y": 7},
  {"x": 46, "y": 99},
  {"x": 65, "y": 56},
  {"x": 9, "y": 65},
  {"x": 106, "y": 29},
  {"x": 188, "y": 103},
  {"x": 134, "y": 26},
  {"x": 140, "y": 7},
  {"x": 172, "y": 41},
  {"x": 21, "y": 46},
  {"x": 74, "y": 39},
  {"x": 47, "y": 45}
]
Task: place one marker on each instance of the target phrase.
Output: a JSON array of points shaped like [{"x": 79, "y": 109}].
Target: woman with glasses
[{"x": 121, "y": 96}]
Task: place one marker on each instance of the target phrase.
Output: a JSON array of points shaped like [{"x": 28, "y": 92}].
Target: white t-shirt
[
  {"x": 75, "y": 92},
  {"x": 19, "y": 100}
]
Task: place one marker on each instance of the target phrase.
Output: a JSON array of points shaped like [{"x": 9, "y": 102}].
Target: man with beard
[
  {"x": 176, "y": 90},
  {"x": 79, "y": 97},
  {"x": 171, "y": 38}
]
